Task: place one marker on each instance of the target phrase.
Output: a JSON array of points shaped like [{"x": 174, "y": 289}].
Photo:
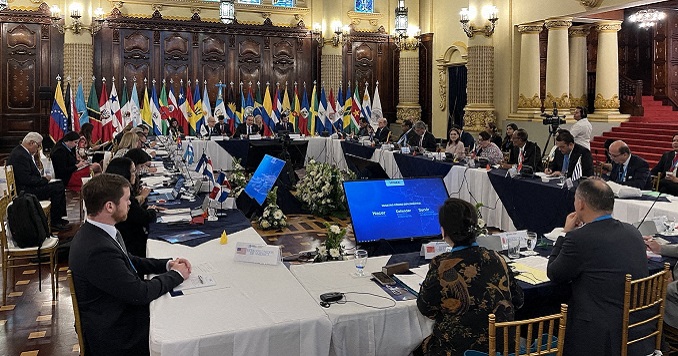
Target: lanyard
[
  {"x": 602, "y": 217},
  {"x": 459, "y": 248}
]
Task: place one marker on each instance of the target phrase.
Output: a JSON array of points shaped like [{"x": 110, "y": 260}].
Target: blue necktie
[
  {"x": 566, "y": 163},
  {"x": 621, "y": 177}
]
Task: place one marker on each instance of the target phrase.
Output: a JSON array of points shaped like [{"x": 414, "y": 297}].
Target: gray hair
[
  {"x": 420, "y": 125},
  {"x": 32, "y": 136},
  {"x": 596, "y": 194}
]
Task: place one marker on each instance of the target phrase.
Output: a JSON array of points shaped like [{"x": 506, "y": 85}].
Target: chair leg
[
  {"x": 4, "y": 284},
  {"x": 52, "y": 267}
]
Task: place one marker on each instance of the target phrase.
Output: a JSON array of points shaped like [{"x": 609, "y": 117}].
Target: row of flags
[{"x": 109, "y": 114}]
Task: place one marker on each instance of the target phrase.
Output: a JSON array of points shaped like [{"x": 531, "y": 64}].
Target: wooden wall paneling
[
  {"x": 672, "y": 69},
  {"x": 426, "y": 75},
  {"x": 249, "y": 63},
  {"x": 213, "y": 63},
  {"x": 660, "y": 61},
  {"x": 635, "y": 53}
]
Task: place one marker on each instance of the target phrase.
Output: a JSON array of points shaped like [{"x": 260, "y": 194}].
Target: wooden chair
[
  {"x": 670, "y": 335},
  {"x": 641, "y": 295},
  {"x": 76, "y": 312},
  {"x": 655, "y": 181},
  {"x": 13, "y": 192},
  {"x": 537, "y": 324},
  {"x": 15, "y": 257}
]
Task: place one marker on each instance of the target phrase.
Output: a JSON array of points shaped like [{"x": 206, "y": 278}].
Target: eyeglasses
[{"x": 614, "y": 155}]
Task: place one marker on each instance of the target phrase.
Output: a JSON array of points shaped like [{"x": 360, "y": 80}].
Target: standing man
[
  {"x": 29, "y": 179},
  {"x": 582, "y": 129},
  {"x": 112, "y": 299},
  {"x": 594, "y": 256},
  {"x": 524, "y": 152},
  {"x": 383, "y": 133},
  {"x": 667, "y": 167},
  {"x": 567, "y": 154},
  {"x": 626, "y": 169}
]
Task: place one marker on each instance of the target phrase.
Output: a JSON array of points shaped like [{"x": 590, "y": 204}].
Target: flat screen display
[
  {"x": 395, "y": 209},
  {"x": 264, "y": 177}
]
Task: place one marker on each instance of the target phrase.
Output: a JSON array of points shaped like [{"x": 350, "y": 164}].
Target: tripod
[{"x": 553, "y": 130}]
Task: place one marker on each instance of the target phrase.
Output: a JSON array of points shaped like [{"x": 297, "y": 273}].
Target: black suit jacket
[
  {"x": 429, "y": 142},
  {"x": 112, "y": 299},
  {"x": 531, "y": 156},
  {"x": 664, "y": 164},
  {"x": 595, "y": 260},
  {"x": 577, "y": 151},
  {"x": 637, "y": 173},
  {"x": 242, "y": 130},
  {"x": 281, "y": 126},
  {"x": 63, "y": 161},
  {"x": 222, "y": 129},
  {"x": 382, "y": 134},
  {"x": 26, "y": 173}
]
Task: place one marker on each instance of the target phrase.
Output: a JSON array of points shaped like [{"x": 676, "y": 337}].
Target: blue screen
[
  {"x": 264, "y": 177},
  {"x": 396, "y": 208}
]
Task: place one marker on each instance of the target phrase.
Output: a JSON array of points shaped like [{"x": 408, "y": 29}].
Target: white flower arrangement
[
  {"x": 272, "y": 217},
  {"x": 238, "y": 179},
  {"x": 481, "y": 226},
  {"x": 332, "y": 249},
  {"x": 321, "y": 191}
]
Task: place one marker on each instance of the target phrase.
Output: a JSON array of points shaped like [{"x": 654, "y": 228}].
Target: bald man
[
  {"x": 382, "y": 133},
  {"x": 627, "y": 169}
]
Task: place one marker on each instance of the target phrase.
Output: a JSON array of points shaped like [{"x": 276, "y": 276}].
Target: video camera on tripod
[{"x": 553, "y": 119}]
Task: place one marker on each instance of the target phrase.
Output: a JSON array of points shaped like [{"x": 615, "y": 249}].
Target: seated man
[
  {"x": 423, "y": 138},
  {"x": 667, "y": 167},
  {"x": 626, "y": 169},
  {"x": 247, "y": 128},
  {"x": 221, "y": 127},
  {"x": 383, "y": 133},
  {"x": 284, "y": 124},
  {"x": 210, "y": 129},
  {"x": 594, "y": 257},
  {"x": 524, "y": 152},
  {"x": 30, "y": 180},
  {"x": 365, "y": 127},
  {"x": 406, "y": 127},
  {"x": 112, "y": 299},
  {"x": 567, "y": 155}
]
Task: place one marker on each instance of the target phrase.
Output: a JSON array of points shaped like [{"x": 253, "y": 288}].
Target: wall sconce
[
  {"x": 490, "y": 13},
  {"x": 3, "y": 4},
  {"x": 227, "y": 12},
  {"x": 317, "y": 33},
  {"x": 76, "y": 14},
  {"x": 409, "y": 41},
  {"x": 340, "y": 37}
]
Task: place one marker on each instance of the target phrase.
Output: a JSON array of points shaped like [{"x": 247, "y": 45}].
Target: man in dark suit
[
  {"x": 524, "y": 152},
  {"x": 284, "y": 124},
  {"x": 365, "y": 128},
  {"x": 406, "y": 127},
  {"x": 423, "y": 138},
  {"x": 567, "y": 155},
  {"x": 221, "y": 128},
  {"x": 667, "y": 167},
  {"x": 112, "y": 299},
  {"x": 248, "y": 128},
  {"x": 30, "y": 180},
  {"x": 383, "y": 133},
  {"x": 627, "y": 169},
  {"x": 594, "y": 256}
]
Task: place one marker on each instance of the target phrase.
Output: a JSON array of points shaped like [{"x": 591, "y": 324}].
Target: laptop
[{"x": 168, "y": 196}]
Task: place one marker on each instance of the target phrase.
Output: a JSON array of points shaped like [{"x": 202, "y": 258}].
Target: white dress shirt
[{"x": 582, "y": 131}]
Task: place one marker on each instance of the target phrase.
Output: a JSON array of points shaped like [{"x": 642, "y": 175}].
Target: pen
[{"x": 201, "y": 281}]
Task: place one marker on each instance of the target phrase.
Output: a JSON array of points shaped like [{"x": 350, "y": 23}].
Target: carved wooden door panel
[
  {"x": 134, "y": 51},
  {"x": 175, "y": 49},
  {"x": 370, "y": 60}
]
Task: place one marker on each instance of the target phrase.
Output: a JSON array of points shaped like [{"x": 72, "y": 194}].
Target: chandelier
[{"x": 647, "y": 18}]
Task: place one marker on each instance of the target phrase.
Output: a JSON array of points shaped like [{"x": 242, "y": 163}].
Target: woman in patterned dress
[{"x": 464, "y": 286}]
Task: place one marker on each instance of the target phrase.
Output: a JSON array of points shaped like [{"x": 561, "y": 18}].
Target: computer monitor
[
  {"x": 395, "y": 209},
  {"x": 264, "y": 178}
]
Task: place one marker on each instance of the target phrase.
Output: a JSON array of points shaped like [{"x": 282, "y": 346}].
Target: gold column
[
  {"x": 607, "y": 74},
  {"x": 578, "y": 71},
  {"x": 408, "y": 99},
  {"x": 557, "y": 66},
  {"x": 528, "y": 100}
]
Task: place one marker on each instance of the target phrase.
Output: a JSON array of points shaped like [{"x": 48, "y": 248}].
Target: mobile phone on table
[{"x": 383, "y": 278}]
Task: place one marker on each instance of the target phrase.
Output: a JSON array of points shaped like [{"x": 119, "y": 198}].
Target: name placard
[
  {"x": 522, "y": 235},
  {"x": 261, "y": 254},
  {"x": 433, "y": 249}
]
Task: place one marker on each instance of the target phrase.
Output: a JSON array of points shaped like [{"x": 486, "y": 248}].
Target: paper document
[
  {"x": 175, "y": 218},
  {"x": 196, "y": 281},
  {"x": 176, "y": 211},
  {"x": 532, "y": 269},
  {"x": 412, "y": 281}
]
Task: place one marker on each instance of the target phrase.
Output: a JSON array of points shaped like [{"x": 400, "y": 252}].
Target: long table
[{"x": 253, "y": 309}]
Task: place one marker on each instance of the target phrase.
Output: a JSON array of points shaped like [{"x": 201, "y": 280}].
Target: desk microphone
[{"x": 648, "y": 210}]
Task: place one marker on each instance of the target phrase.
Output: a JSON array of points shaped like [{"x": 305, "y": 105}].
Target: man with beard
[{"x": 112, "y": 299}]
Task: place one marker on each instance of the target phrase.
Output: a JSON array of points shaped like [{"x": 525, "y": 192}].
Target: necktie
[
  {"x": 421, "y": 141},
  {"x": 566, "y": 163},
  {"x": 622, "y": 175},
  {"x": 675, "y": 162},
  {"x": 121, "y": 242},
  {"x": 521, "y": 156},
  {"x": 249, "y": 130}
]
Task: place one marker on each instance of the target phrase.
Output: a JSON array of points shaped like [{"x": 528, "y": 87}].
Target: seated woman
[
  {"x": 507, "y": 144},
  {"x": 455, "y": 145},
  {"x": 86, "y": 131},
  {"x": 175, "y": 130},
  {"x": 491, "y": 129},
  {"x": 487, "y": 149},
  {"x": 67, "y": 165},
  {"x": 142, "y": 160},
  {"x": 464, "y": 286},
  {"x": 128, "y": 141},
  {"x": 134, "y": 230}
]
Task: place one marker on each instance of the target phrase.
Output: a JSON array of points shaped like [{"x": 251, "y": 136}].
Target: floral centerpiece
[
  {"x": 332, "y": 249},
  {"x": 321, "y": 191},
  {"x": 273, "y": 217},
  {"x": 482, "y": 228},
  {"x": 238, "y": 178}
]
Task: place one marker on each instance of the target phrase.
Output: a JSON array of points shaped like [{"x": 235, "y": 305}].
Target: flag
[
  {"x": 114, "y": 106},
  {"x": 163, "y": 107},
  {"x": 201, "y": 162},
  {"x": 221, "y": 177},
  {"x": 135, "y": 112},
  {"x": 314, "y": 112},
  {"x": 93, "y": 113},
  {"x": 197, "y": 120},
  {"x": 321, "y": 117},
  {"x": 190, "y": 114},
  {"x": 377, "y": 113},
  {"x": 219, "y": 193},
  {"x": 260, "y": 109},
  {"x": 277, "y": 106},
  {"x": 267, "y": 112},
  {"x": 367, "y": 108},
  {"x": 81, "y": 105},
  {"x": 231, "y": 109},
  {"x": 286, "y": 101},
  {"x": 355, "y": 111},
  {"x": 183, "y": 108},
  {"x": 67, "y": 102},
  {"x": 304, "y": 114},
  {"x": 206, "y": 106},
  {"x": 155, "y": 113},
  {"x": 347, "y": 108},
  {"x": 57, "y": 119},
  {"x": 339, "y": 116},
  {"x": 208, "y": 170},
  {"x": 146, "y": 114},
  {"x": 75, "y": 116},
  {"x": 107, "y": 128},
  {"x": 220, "y": 106},
  {"x": 296, "y": 109},
  {"x": 173, "y": 105},
  {"x": 577, "y": 171},
  {"x": 124, "y": 105},
  {"x": 331, "y": 113},
  {"x": 249, "y": 104},
  {"x": 241, "y": 118},
  {"x": 189, "y": 155}
]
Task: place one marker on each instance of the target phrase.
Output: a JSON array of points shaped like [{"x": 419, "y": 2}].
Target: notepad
[{"x": 532, "y": 269}]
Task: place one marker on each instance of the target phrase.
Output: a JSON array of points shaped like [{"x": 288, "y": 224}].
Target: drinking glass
[
  {"x": 531, "y": 241},
  {"x": 360, "y": 262},
  {"x": 513, "y": 247}
]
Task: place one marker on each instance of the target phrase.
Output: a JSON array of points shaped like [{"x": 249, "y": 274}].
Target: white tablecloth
[
  {"x": 254, "y": 309},
  {"x": 633, "y": 211},
  {"x": 359, "y": 330},
  {"x": 221, "y": 159}
]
